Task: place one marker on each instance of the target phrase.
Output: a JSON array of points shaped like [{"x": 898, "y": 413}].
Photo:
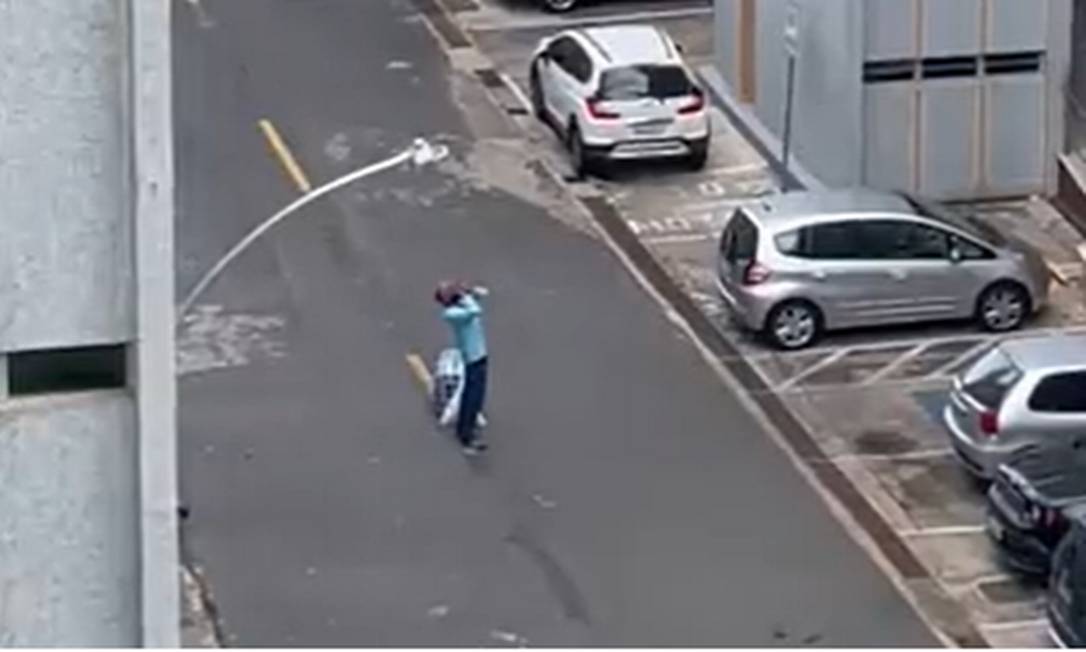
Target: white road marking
[
  {"x": 736, "y": 170},
  {"x": 677, "y": 239},
  {"x": 522, "y": 99},
  {"x": 945, "y": 531},
  {"x": 1014, "y": 624},
  {"x": 944, "y": 371},
  {"x": 813, "y": 369},
  {"x": 575, "y": 21},
  {"x": 895, "y": 364},
  {"x": 925, "y": 454}
]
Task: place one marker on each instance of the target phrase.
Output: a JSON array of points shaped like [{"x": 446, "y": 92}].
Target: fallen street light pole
[{"x": 420, "y": 153}]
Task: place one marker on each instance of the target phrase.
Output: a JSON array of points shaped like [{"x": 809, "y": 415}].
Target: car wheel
[
  {"x": 558, "y": 6},
  {"x": 697, "y": 158},
  {"x": 1003, "y": 307},
  {"x": 535, "y": 89},
  {"x": 577, "y": 157},
  {"x": 793, "y": 325}
]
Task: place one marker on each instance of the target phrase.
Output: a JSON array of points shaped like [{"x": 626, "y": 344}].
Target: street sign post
[{"x": 791, "y": 47}]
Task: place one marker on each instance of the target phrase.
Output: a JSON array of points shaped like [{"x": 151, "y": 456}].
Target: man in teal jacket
[{"x": 464, "y": 314}]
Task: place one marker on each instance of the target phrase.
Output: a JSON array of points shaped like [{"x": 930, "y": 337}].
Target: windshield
[
  {"x": 636, "y": 82},
  {"x": 991, "y": 378},
  {"x": 970, "y": 224}
]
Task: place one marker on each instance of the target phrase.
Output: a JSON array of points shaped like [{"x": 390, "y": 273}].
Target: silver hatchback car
[
  {"x": 797, "y": 264},
  {"x": 1023, "y": 393}
]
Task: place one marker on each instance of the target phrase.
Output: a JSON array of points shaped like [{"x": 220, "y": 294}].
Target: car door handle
[
  {"x": 819, "y": 275},
  {"x": 898, "y": 274}
]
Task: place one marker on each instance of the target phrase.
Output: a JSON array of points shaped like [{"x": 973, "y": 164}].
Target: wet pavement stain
[
  {"x": 883, "y": 442},
  {"x": 1010, "y": 591}
]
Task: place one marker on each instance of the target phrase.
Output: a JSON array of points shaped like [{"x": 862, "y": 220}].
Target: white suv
[{"x": 619, "y": 93}]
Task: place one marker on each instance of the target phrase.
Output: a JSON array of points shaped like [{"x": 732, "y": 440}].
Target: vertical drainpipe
[{"x": 150, "y": 179}]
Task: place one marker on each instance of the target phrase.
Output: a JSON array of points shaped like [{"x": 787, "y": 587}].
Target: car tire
[
  {"x": 793, "y": 325},
  {"x": 578, "y": 160},
  {"x": 535, "y": 91},
  {"x": 1003, "y": 307},
  {"x": 559, "y": 6},
  {"x": 697, "y": 158}
]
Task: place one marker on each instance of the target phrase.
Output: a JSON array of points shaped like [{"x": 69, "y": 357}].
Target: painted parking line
[
  {"x": 518, "y": 93},
  {"x": 947, "y": 531},
  {"x": 919, "y": 455},
  {"x": 1015, "y": 624},
  {"x": 285, "y": 157},
  {"x": 420, "y": 372},
  {"x": 822, "y": 364}
]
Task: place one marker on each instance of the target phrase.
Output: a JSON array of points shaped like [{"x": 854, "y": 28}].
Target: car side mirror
[
  {"x": 679, "y": 48},
  {"x": 956, "y": 255}
]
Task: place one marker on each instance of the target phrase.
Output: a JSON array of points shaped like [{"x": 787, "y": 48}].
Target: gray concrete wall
[
  {"x": 725, "y": 45},
  {"x": 827, "y": 127},
  {"x": 87, "y": 481},
  {"x": 69, "y": 567},
  {"x": 66, "y": 272},
  {"x": 1076, "y": 87}
]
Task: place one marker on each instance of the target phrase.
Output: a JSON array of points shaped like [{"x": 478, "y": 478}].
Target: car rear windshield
[
  {"x": 739, "y": 241},
  {"x": 970, "y": 224},
  {"x": 991, "y": 379},
  {"x": 636, "y": 82}
]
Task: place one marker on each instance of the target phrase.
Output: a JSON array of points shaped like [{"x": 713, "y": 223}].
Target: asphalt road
[{"x": 628, "y": 499}]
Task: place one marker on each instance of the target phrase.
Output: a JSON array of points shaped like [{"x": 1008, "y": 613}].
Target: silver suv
[
  {"x": 1028, "y": 392},
  {"x": 798, "y": 264}
]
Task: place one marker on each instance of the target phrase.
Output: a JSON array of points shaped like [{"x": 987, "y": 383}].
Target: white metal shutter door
[
  {"x": 948, "y": 137},
  {"x": 890, "y": 136},
  {"x": 1015, "y": 138}
]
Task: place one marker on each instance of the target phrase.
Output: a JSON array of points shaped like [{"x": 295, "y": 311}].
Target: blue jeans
[{"x": 471, "y": 401}]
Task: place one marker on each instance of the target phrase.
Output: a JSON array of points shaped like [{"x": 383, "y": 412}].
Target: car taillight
[
  {"x": 599, "y": 113},
  {"x": 1052, "y": 517},
  {"x": 695, "y": 105},
  {"x": 756, "y": 273},
  {"x": 989, "y": 423}
]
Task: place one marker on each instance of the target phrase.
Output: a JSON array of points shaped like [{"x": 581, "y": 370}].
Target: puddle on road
[{"x": 883, "y": 442}]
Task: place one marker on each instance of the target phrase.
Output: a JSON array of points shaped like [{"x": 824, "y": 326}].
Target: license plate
[
  {"x": 996, "y": 528},
  {"x": 651, "y": 126}
]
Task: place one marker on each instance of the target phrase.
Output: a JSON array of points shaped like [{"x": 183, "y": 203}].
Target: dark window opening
[
  {"x": 944, "y": 67},
  {"x": 889, "y": 71},
  {"x": 67, "y": 370},
  {"x": 1014, "y": 63}
]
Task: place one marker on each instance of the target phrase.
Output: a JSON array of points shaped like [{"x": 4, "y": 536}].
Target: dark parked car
[
  {"x": 1029, "y": 503},
  {"x": 1067, "y": 585}
]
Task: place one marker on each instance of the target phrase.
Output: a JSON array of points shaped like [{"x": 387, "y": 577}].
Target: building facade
[
  {"x": 951, "y": 98},
  {"x": 88, "y": 532}
]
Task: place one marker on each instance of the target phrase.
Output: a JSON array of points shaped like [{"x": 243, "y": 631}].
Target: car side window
[
  {"x": 559, "y": 52},
  {"x": 580, "y": 65},
  {"x": 902, "y": 240},
  {"x": 836, "y": 240},
  {"x": 1061, "y": 393}
]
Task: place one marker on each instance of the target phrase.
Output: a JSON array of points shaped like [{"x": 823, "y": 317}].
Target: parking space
[{"x": 872, "y": 400}]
